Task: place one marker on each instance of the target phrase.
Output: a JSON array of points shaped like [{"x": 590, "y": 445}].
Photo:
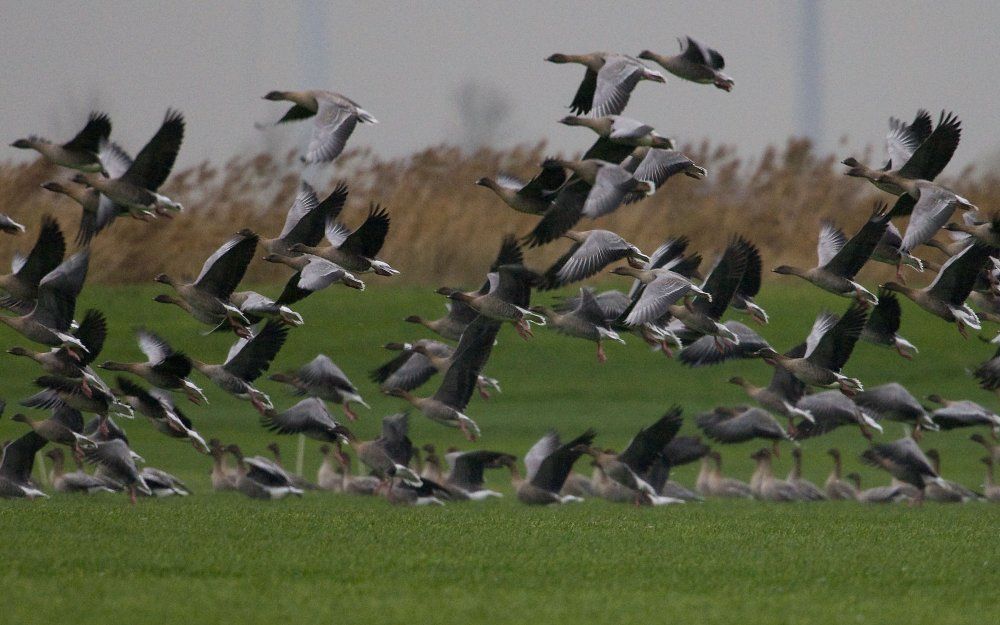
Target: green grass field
[{"x": 328, "y": 558}]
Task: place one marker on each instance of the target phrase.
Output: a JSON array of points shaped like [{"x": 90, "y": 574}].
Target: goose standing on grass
[
  {"x": 586, "y": 321},
  {"x": 51, "y": 319},
  {"x": 830, "y": 410},
  {"x": 894, "y": 403},
  {"x": 896, "y": 492},
  {"x": 336, "y": 117},
  {"x": 117, "y": 461},
  {"x": 20, "y": 286},
  {"x": 467, "y": 472},
  {"x": 328, "y": 476},
  {"x": 321, "y": 378},
  {"x": 828, "y": 348},
  {"x": 947, "y": 491},
  {"x": 841, "y": 259},
  {"x": 905, "y": 461},
  {"x": 945, "y": 296},
  {"x": 715, "y": 484},
  {"x": 78, "y": 153},
  {"x": 259, "y": 478},
  {"x": 836, "y": 487},
  {"x": 136, "y": 189},
  {"x": 962, "y": 414},
  {"x": 608, "y": 82},
  {"x": 306, "y": 220},
  {"x": 991, "y": 490},
  {"x": 160, "y": 409},
  {"x": 164, "y": 368},
  {"x": 593, "y": 250},
  {"x": 991, "y": 448},
  {"x": 9, "y": 226},
  {"x": 807, "y": 490},
  {"x": 533, "y": 197},
  {"x": 383, "y": 456},
  {"x": 223, "y": 477},
  {"x": 696, "y": 63},
  {"x": 547, "y": 465},
  {"x": 246, "y": 361},
  {"x": 883, "y": 326},
  {"x": 207, "y": 298},
  {"x": 740, "y": 424},
  {"x": 74, "y": 482},
  {"x": 449, "y": 402},
  {"x": 767, "y": 487},
  {"x": 356, "y": 250}
]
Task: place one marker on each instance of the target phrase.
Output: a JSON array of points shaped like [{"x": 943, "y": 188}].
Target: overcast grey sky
[{"x": 405, "y": 61}]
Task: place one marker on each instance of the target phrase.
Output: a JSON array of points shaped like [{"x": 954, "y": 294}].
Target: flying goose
[
  {"x": 20, "y": 286},
  {"x": 609, "y": 184},
  {"x": 661, "y": 289},
  {"x": 904, "y": 460},
  {"x": 655, "y": 166},
  {"x": 60, "y": 362},
  {"x": 160, "y": 409},
  {"x": 782, "y": 393},
  {"x": 964, "y": 413},
  {"x": 467, "y": 472},
  {"x": 830, "y": 410},
  {"x": 95, "y": 397},
  {"x": 9, "y": 226},
  {"x": 118, "y": 462},
  {"x": 547, "y": 465},
  {"x": 260, "y": 478},
  {"x": 709, "y": 350},
  {"x": 74, "y": 482},
  {"x": 246, "y": 361},
  {"x": 389, "y": 454},
  {"x": 696, "y": 62},
  {"x": 418, "y": 363},
  {"x": 841, "y": 259},
  {"x": 163, "y": 484},
  {"x": 207, "y": 298},
  {"x": 507, "y": 298},
  {"x": 621, "y": 130},
  {"x": 945, "y": 296},
  {"x": 586, "y": 321},
  {"x": 308, "y": 417},
  {"x": 533, "y": 197},
  {"x": 78, "y": 153},
  {"x": 306, "y": 220},
  {"x": 164, "y": 368},
  {"x": 836, "y": 487},
  {"x": 749, "y": 287},
  {"x": 312, "y": 274},
  {"x": 608, "y": 81},
  {"x": 136, "y": 189},
  {"x": 889, "y": 251},
  {"x": 741, "y": 423},
  {"x": 807, "y": 490},
  {"x": 592, "y": 251},
  {"x": 321, "y": 378},
  {"x": 893, "y": 402},
  {"x": 765, "y": 486},
  {"x": 828, "y": 347},
  {"x": 679, "y": 451},
  {"x": 336, "y": 117},
  {"x": 17, "y": 459},
  {"x": 356, "y": 250},
  {"x": 882, "y": 327},
  {"x": 256, "y": 307}
]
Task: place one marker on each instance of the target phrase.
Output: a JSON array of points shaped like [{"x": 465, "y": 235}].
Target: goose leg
[
  {"x": 102, "y": 427},
  {"x": 350, "y": 414},
  {"x": 776, "y": 449},
  {"x": 902, "y": 352},
  {"x": 86, "y": 388},
  {"x": 465, "y": 430},
  {"x": 962, "y": 330},
  {"x": 482, "y": 391},
  {"x": 665, "y": 346},
  {"x": 523, "y": 329},
  {"x": 601, "y": 356},
  {"x": 131, "y": 494}
]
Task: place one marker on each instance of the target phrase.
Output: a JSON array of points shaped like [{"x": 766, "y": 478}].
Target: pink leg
[
  {"x": 351, "y": 415},
  {"x": 524, "y": 329},
  {"x": 601, "y": 356}
]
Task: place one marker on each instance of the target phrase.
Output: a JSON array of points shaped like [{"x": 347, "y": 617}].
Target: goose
[
  {"x": 987, "y": 232},
  {"x": 991, "y": 491},
  {"x": 882, "y": 327},
  {"x": 309, "y": 417},
  {"x": 351, "y": 484},
  {"x": 933, "y": 208},
  {"x": 164, "y": 368},
  {"x": 749, "y": 287},
  {"x": 246, "y": 361},
  {"x": 312, "y": 274},
  {"x": 609, "y": 184},
  {"x": 893, "y": 402},
  {"x": 782, "y": 393},
  {"x": 915, "y": 153},
  {"x": 401, "y": 492},
  {"x": 17, "y": 459},
  {"x": 20, "y": 286},
  {"x": 9, "y": 226},
  {"x": 51, "y": 318},
  {"x": 533, "y": 197},
  {"x": 95, "y": 397},
  {"x": 256, "y": 307},
  {"x": 947, "y": 491},
  {"x": 448, "y": 403},
  {"x": 507, "y": 298},
  {"x": 118, "y": 462},
  {"x": 55, "y": 431},
  {"x": 335, "y": 119},
  {"x": 807, "y": 491},
  {"x": 696, "y": 63},
  {"x": 60, "y": 362},
  {"x": 75, "y": 482},
  {"x": 828, "y": 347},
  {"x": 297, "y": 480},
  {"x": 896, "y": 492},
  {"x": 964, "y": 413},
  {"x": 78, "y": 153},
  {"x": 765, "y": 486},
  {"x": 714, "y": 484},
  {"x": 418, "y": 363},
  {"x": 615, "y": 481},
  {"x": 467, "y": 472},
  {"x": 621, "y": 130},
  {"x": 223, "y": 477},
  {"x": 356, "y": 250},
  {"x": 321, "y": 378},
  {"x": 991, "y": 448},
  {"x": 987, "y": 373},
  {"x": 159, "y": 408},
  {"x": 593, "y": 250},
  {"x": 306, "y": 220},
  {"x": 586, "y": 321},
  {"x": 655, "y": 166},
  {"x": 661, "y": 289},
  {"x": 945, "y": 296},
  {"x": 163, "y": 484},
  {"x": 836, "y": 487},
  {"x": 904, "y": 460},
  {"x": 207, "y": 298},
  {"x": 578, "y": 485},
  {"x": 547, "y": 465},
  {"x": 608, "y": 82},
  {"x": 742, "y": 423},
  {"x": 841, "y": 259},
  {"x": 259, "y": 478},
  {"x": 888, "y": 251},
  {"x": 710, "y": 350},
  {"x": 830, "y": 410},
  {"x": 328, "y": 476},
  {"x": 679, "y": 451},
  {"x": 389, "y": 454},
  {"x": 136, "y": 189}
]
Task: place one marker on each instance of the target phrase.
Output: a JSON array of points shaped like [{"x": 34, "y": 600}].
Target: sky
[{"x": 407, "y": 62}]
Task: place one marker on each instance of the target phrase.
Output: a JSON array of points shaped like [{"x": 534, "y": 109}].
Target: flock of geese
[{"x": 671, "y": 304}]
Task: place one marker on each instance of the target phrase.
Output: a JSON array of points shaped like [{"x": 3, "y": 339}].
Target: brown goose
[
  {"x": 20, "y": 287},
  {"x": 80, "y": 152},
  {"x": 60, "y": 362},
  {"x": 608, "y": 82},
  {"x": 991, "y": 490},
  {"x": 309, "y": 417},
  {"x": 312, "y": 274},
  {"x": 533, "y": 197},
  {"x": 586, "y": 321},
  {"x": 418, "y": 363},
  {"x": 905, "y": 461},
  {"x": 468, "y": 470},
  {"x": 117, "y": 461},
  {"x": 593, "y": 250},
  {"x": 355, "y": 250},
  {"x": 621, "y": 130},
  {"x": 830, "y": 410},
  {"x": 696, "y": 62},
  {"x": 75, "y": 482},
  {"x": 335, "y": 119},
  {"x": 259, "y": 478},
  {"x": 306, "y": 220},
  {"x": 767, "y": 487},
  {"x": 321, "y": 378},
  {"x": 387, "y": 456},
  {"x": 223, "y": 477},
  {"x": 610, "y": 184},
  {"x": 160, "y": 409},
  {"x": 836, "y": 487},
  {"x": 547, "y": 464},
  {"x": 962, "y": 413},
  {"x": 948, "y": 491},
  {"x": 246, "y": 361},
  {"x": 893, "y": 402},
  {"x": 883, "y": 325},
  {"x": 715, "y": 484},
  {"x": 207, "y": 298},
  {"x": 55, "y": 431},
  {"x": 807, "y": 490},
  {"x": 297, "y": 480},
  {"x": 507, "y": 299},
  {"x": 164, "y": 368},
  {"x": 740, "y": 424}
]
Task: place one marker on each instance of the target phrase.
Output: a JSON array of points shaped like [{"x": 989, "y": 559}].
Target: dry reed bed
[{"x": 445, "y": 229}]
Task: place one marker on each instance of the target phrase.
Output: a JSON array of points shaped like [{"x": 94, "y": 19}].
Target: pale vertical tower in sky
[{"x": 811, "y": 71}]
